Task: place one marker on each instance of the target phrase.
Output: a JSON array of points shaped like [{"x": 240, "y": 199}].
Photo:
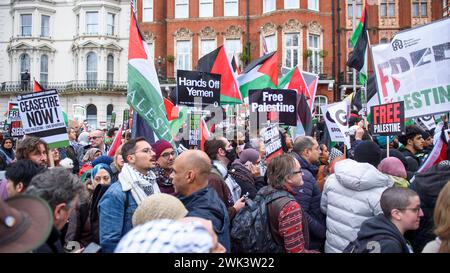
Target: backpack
[{"x": 253, "y": 229}]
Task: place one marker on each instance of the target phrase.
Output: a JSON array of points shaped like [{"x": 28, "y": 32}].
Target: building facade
[{"x": 78, "y": 47}]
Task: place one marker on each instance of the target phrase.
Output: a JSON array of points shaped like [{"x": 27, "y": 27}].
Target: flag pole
[{"x": 353, "y": 31}]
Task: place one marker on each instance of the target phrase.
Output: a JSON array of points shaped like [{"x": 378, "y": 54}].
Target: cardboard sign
[
  {"x": 272, "y": 142},
  {"x": 388, "y": 119},
  {"x": 338, "y": 112},
  {"x": 42, "y": 116},
  {"x": 198, "y": 89},
  {"x": 414, "y": 68},
  {"x": 282, "y": 101}
]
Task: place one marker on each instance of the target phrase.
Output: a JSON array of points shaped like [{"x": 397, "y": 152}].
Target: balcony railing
[{"x": 65, "y": 87}]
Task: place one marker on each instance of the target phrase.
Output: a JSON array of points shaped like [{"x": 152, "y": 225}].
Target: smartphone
[{"x": 92, "y": 248}]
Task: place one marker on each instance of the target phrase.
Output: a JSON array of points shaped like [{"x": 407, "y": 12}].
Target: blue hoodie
[{"x": 206, "y": 204}]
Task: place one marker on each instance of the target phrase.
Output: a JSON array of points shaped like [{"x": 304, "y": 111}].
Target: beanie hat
[
  {"x": 425, "y": 135},
  {"x": 159, "y": 206},
  {"x": 159, "y": 147},
  {"x": 102, "y": 159},
  {"x": 333, "y": 154},
  {"x": 392, "y": 166},
  {"x": 250, "y": 154},
  {"x": 399, "y": 155},
  {"x": 368, "y": 152}
]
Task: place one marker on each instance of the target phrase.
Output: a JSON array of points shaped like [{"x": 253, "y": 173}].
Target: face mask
[{"x": 230, "y": 154}]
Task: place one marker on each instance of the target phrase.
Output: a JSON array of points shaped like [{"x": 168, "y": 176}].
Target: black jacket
[
  {"x": 378, "y": 235},
  {"x": 428, "y": 185},
  {"x": 53, "y": 243},
  {"x": 245, "y": 179},
  {"x": 206, "y": 204},
  {"x": 413, "y": 163},
  {"x": 309, "y": 199}
]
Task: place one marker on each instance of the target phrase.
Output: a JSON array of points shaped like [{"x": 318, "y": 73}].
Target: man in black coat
[
  {"x": 307, "y": 152},
  {"x": 413, "y": 143},
  {"x": 190, "y": 180}
]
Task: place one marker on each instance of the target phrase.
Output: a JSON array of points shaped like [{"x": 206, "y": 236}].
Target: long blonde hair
[{"x": 442, "y": 218}]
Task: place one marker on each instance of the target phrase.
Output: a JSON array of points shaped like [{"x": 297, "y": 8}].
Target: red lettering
[
  {"x": 383, "y": 80},
  {"x": 382, "y": 114},
  {"x": 397, "y": 112},
  {"x": 376, "y": 114},
  {"x": 389, "y": 113}
]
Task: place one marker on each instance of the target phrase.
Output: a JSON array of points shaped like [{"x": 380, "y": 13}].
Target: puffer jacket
[{"x": 351, "y": 195}]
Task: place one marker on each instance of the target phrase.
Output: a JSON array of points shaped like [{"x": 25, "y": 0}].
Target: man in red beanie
[{"x": 165, "y": 156}]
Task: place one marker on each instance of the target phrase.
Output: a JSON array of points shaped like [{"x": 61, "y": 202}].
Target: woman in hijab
[
  {"x": 6, "y": 151},
  {"x": 91, "y": 155}
]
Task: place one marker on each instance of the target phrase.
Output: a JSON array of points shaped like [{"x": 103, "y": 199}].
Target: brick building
[{"x": 179, "y": 32}]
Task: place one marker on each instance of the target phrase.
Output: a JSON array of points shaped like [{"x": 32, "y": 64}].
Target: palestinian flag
[
  {"x": 304, "y": 118},
  {"x": 304, "y": 82},
  {"x": 144, "y": 92},
  {"x": 116, "y": 143},
  {"x": 37, "y": 87},
  {"x": 235, "y": 67},
  {"x": 360, "y": 41},
  {"x": 217, "y": 62},
  {"x": 261, "y": 73},
  {"x": 439, "y": 152},
  {"x": 205, "y": 133},
  {"x": 171, "y": 110}
]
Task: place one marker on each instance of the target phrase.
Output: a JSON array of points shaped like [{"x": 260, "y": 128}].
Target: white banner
[
  {"x": 414, "y": 68},
  {"x": 337, "y": 112},
  {"x": 428, "y": 122},
  {"x": 333, "y": 128}
]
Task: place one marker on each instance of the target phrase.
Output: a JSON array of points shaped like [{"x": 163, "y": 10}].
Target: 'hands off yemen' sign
[
  {"x": 388, "y": 119},
  {"x": 198, "y": 89},
  {"x": 41, "y": 116},
  {"x": 283, "y": 102}
]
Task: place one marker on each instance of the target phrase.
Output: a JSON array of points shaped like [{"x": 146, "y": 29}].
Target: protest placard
[
  {"x": 282, "y": 101},
  {"x": 198, "y": 89},
  {"x": 338, "y": 112},
  {"x": 42, "y": 117},
  {"x": 388, "y": 119},
  {"x": 333, "y": 129},
  {"x": 272, "y": 142},
  {"x": 427, "y": 122},
  {"x": 414, "y": 68}
]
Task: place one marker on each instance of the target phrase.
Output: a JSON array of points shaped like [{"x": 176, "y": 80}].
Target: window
[
  {"x": 24, "y": 63},
  {"x": 147, "y": 13},
  {"x": 233, "y": 47},
  {"x": 271, "y": 42},
  {"x": 387, "y": 8},
  {"x": 92, "y": 22},
  {"x": 318, "y": 102},
  {"x": 291, "y": 4},
  {"x": 206, "y": 46},
  {"x": 419, "y": 8},
  {"x": 313, "y": 5},
  {"x": 91, "y": 116},
  {"x": 45, "y": 26},
  {"x": 384, "y": 41},
  {"x": 269, "y": 5},
  {"x": 109, "y": 112},
  {"x": 110, "y": 70},
  {"x": 231, "y": 8},
  {"x": 359, "y": 7},
  {"x": 184, "y": 55},
  {"x": 291, "y": 50},
  {"x": 181, "y": 8},
  {"x": 206, "y": 8},
  {"x": 91, "y": 69},
  {"x": 110, "y": 24},
  {"x": 25, "y": 24},
  {"x": 314, "y": 59},
  {"x": 44, "y": 70}
]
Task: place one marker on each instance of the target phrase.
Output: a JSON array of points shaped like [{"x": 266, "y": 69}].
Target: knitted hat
[
  {"x": 159, "y": 147},
  {"x": 102, "y": 159},
  {"x": 158, "y": 206},
  {"x": 333, "y": 154},
  {"x": 368, "y": 152},
  {"x": 392, "y": 166},
  {"x": 251, "y": 155},
  {"x": 166, "y": 236}
]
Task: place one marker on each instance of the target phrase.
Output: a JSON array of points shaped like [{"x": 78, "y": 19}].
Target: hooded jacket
[
  {"x": 309, "y": 199},
  {"x": 351, "y": 195},
  {"x": 379, "y": 235},
  {"x": 206, "y": 204},
  {"x": 428, "y": 185}
]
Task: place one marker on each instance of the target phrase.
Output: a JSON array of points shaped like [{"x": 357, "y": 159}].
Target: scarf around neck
[{"x": 140, "y": 185}]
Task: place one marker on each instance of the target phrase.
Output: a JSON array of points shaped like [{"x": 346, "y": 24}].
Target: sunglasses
[{"x": 94, "y": 137}]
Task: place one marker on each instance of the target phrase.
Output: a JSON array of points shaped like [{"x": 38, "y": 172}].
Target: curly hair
[{"x": 29, "y": 145}]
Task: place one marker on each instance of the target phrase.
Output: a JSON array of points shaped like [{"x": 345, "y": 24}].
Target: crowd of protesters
[{"x": 150, "y": 197}]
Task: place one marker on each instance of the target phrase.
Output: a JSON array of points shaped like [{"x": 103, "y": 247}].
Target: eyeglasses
[
  {"x": 415, "y": 210},
  {"x": 146, "y": 150},
  {"x": 166, "y": 155}
]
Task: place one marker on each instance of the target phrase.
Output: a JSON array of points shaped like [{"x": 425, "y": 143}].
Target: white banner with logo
[
  {"x": 414, "y": 68},
  {"x": 337, "y": 112},
  {"x": 333, "y": 128}
]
